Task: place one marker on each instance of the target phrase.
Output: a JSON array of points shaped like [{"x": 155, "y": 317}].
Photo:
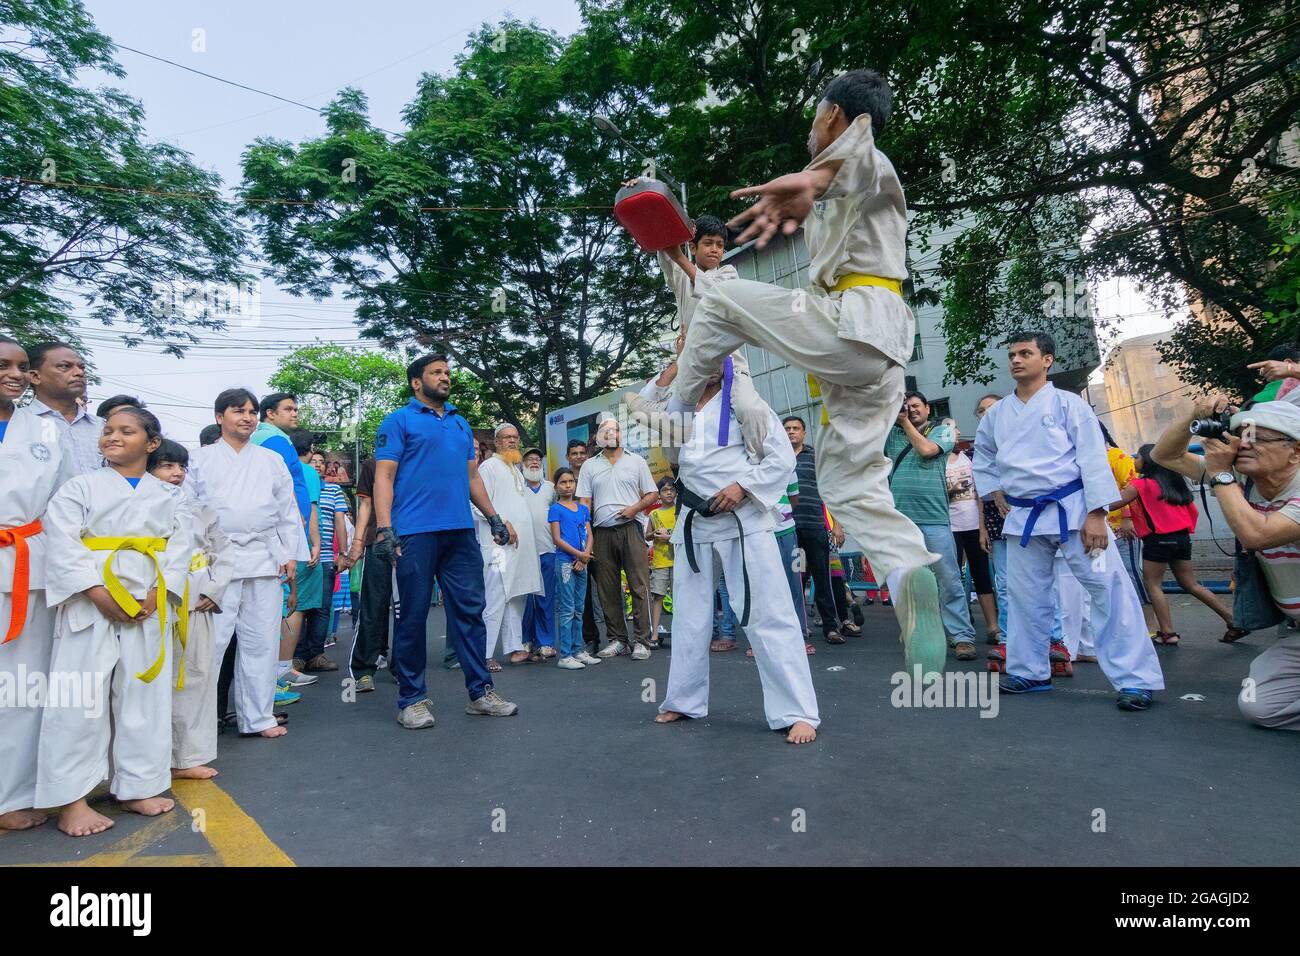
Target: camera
[{"x": 1215, "y": 427}]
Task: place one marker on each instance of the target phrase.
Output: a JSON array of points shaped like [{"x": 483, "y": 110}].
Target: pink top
[{"x": 1167, "y": 518}]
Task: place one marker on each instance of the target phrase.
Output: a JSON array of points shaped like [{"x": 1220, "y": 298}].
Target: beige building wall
[{"x": 1143, "y": 394}]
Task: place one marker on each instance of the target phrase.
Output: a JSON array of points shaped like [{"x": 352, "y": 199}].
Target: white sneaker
[
  {"x": 585, "y": 658},
  {"x": 381, "y": 663},
  {"x": 613, "y": 649},
  {"x": 641, "y": 653},
  {"x": 663, "y": 630},
  {"x": 571, "y": 664}
]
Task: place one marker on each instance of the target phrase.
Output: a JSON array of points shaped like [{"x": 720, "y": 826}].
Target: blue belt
[{"x": 1036, "y": 506}]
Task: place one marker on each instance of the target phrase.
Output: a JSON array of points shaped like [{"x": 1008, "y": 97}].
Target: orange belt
[{"x": 17, "y": 537}]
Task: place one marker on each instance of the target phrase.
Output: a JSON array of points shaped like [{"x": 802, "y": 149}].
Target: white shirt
[
  {"x": 707, "y": 468},
  {"x": 83, "y": 433},
  {"x": 859, "y": 225},
  {"x": 252, "y": 494},
  {"x": 1028, "y": 449},
  {"x": 613, "y": 487},
  {"x": 34, "y": 463},
  {"x": 518, "y": 563},
  {"x": 539, "y": 501}
]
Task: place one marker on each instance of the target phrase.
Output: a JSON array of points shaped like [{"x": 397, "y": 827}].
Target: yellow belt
[
  {"x": 197, "y": 563},
  {"x": 854, "y": 279},
  {"x": 149, "y": 547}
]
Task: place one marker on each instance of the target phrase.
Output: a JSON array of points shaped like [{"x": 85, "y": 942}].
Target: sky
[{"x": 304, "y": 51}]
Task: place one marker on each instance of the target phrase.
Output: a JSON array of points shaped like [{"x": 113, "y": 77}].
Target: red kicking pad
[{"x": 652, "y": 214}]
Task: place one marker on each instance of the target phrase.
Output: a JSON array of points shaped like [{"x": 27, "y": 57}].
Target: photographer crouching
[{"x": 1252, "y": 463}]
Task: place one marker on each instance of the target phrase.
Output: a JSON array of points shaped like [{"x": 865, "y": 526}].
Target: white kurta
[
  {"x": 511, "y": 572},
  {"x": 194, "y": 707},
  {"x": 539, "y": 505},
  {"x": 34, "y": 463},
  {"x": 1029, "y": 449},
  {"x": 252, "y": 494},
  {"x": 773, "y": 630},
  {"x": 75, "y": 740}
]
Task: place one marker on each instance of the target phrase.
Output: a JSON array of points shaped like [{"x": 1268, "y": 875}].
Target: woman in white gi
[
  {"x": 1041, "y": 454},
  {"x": 116, "y": 551},
  {"x": 194, "y": 700},
  {"x": 511, "y": 571},
  {"x": 715, "y": 467},
  {"x": 33, "y": 464}
]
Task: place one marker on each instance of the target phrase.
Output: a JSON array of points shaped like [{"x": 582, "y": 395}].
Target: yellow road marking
[{"x": 236, "y": 837}]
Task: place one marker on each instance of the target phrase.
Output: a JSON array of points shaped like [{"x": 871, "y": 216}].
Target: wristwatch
[{"x": 1223, "y": 478}]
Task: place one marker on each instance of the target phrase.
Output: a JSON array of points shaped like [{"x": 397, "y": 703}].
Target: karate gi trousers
[
  {"x": 861, "y": 387},
  {"x": 1123, "y": 649},
  {"x": 21, "y": 661},
  {"x": 1074, "y": 613},
  {"x": 194, "y": 707},
  {"x": 773, "y": 631},
  {"x": 126, "y": 714},
  {"x": 252, "y": 606}
]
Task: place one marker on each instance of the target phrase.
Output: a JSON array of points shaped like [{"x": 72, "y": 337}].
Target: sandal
[
  {"x": 851, "y": 629},
  {"x": 526, "y": 659},
  {"x": 1170, "y": 638},
  {"x": 993, "y": 637},
  {"x": 835, "y": 637},
  {"x": 493, "y": 666},
  {"x": 722, "y": 644},
  {"x": 546, "y": 653},
  {"x": 1233, "y": 634}
]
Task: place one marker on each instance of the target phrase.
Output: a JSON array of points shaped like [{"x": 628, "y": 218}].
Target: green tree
[
  {"x": 88, "y": 202},
  {"x": 529, "y": 283},
  {"x": 1154, "y": 127}
]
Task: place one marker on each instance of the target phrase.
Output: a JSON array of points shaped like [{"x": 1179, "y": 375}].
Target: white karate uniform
[
  {"x": 34, "y": 464},
  {"x": 252, "y": 494},
  {"x": 75, "y": 740},
  {"x": 1076, "y": 612},
  {"x": 773, "y": 630},
  {"x": 194, "y": 706},
  {"x": 511, "y": 572},
  {"x": 751, "y": 411},
  {"x": 1031, "y": 449},
  {"x": 856, "y": 343}
]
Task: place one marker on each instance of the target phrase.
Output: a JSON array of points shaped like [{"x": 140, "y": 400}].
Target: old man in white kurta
[
  {"x": 34, "y": 464},
  {"x": 512, "y": 571},
  {"x": 710, "y": 464},
  {"x": 1052, "y": 445}
]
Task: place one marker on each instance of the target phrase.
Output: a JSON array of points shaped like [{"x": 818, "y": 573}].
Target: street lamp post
[{"x": 356, "y": 419}]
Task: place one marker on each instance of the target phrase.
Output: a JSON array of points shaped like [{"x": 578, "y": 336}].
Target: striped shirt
[
  {"x": 918, "y": 483},
  {"x": 782, "y": 513},
  {"x": 1281, "y": 565},
  {"x": 332, "y": 500},
  {"x": 808, "y": 512}
]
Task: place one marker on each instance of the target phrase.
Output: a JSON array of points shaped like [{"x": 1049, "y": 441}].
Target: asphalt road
[{"x": 583, "y": 776}]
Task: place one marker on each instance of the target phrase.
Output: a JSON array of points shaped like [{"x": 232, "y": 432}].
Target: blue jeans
[
  {"x": 998, "y": 556},
  {"x": 788, "y": 544},
  {"x": 727, "y": 629},
  {"x": 454, "y": 556},
  {"x": 539, "y": 609},
  {"x": 570, "y": 596},
  {"x": 954, "y": 599}
]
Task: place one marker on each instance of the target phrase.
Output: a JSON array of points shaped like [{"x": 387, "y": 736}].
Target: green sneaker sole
[{"x": 922, "y": 627}]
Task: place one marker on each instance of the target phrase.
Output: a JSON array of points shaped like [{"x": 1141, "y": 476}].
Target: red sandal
[{"x": 1170, "y": 638}]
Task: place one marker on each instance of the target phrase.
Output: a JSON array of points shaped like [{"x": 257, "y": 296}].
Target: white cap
[{"x": 1280, "y": 416}]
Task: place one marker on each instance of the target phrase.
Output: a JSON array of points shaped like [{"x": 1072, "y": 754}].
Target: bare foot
[
  {"x": 801, "y": 733},
  {"x": 668, "y": 716},
  {"x": 22, "y": 819},
  {"x": 518, "y": 657},
  {"x": 77, "y": 819},
  {"x": 275, "y": 732},
  {"x": 150, "y": 806},
  {"x": 194, "y": 773}
]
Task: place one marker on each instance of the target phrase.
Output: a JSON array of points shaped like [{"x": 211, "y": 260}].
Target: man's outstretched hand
[{"x": 783, "y": 203}]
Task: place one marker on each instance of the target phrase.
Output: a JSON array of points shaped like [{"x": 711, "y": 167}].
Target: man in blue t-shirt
[{"x": 426, "y": 475}]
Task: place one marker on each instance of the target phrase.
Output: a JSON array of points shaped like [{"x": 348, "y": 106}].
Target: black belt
[{"x": 694, "y": 505}]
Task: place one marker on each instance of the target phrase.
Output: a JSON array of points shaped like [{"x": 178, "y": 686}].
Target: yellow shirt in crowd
[{"x": 665, "y": 518}]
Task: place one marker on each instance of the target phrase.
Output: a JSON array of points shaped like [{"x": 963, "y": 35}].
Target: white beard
[{"x": 534, "y": 474}]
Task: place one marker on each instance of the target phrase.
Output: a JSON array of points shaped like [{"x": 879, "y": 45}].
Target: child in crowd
[
  {"x": 194, "y": 700},
  {"x": 660, "y": 529},
  {"x": 118, "y": 554},
  {"x": 570, "y": 522}
]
